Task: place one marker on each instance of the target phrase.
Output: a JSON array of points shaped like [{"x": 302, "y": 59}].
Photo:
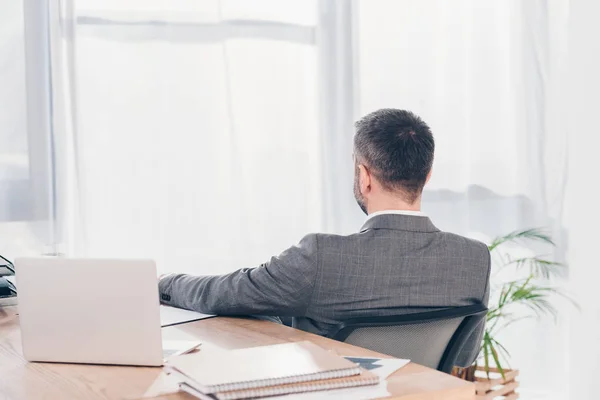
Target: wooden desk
[{"x": 37, "y": 381}]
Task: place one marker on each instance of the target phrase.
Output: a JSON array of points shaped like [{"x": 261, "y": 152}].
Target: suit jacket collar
[{"x": 398, "y": 222}]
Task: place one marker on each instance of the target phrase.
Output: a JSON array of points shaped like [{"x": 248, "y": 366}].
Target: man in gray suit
[{"x": 397, "y": 263}]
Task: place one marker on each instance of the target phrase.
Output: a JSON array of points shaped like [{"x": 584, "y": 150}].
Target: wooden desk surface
[{"x": 36, "y": 381}]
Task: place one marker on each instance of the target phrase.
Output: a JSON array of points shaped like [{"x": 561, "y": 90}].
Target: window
[
  {"x": 199, "y": 136},
  {"x": 26, "y": 195}
]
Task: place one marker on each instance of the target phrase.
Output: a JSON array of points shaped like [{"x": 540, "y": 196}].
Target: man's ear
[
  {"x": 428, "y": 176},
  {"x": 364, "y": 179}
]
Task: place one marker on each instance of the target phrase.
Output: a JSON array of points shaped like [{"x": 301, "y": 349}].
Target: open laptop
[{"x": 91, "y": 311}]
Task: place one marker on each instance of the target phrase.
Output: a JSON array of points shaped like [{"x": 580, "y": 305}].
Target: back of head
[{"x": 398, "y": 149}]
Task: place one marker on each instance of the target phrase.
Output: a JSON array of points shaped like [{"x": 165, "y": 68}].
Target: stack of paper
[{"x": 266, "y": 371}]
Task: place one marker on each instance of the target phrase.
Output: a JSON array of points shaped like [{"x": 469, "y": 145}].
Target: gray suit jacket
[{"x": 396, "y": 264}]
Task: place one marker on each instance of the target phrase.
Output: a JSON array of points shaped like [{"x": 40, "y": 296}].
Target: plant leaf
[
  {"x": 501, "y": 347},
  {"x": 503, "y": 352},
  {"x": 538, "y": 267},
  {"x": 534, "y": 234},
  {"x": 486, "y": 355},
  {"x": 512, "y": 321},
  {"x": 518, "y": 295},
  {"x": 494, "y": 354}
]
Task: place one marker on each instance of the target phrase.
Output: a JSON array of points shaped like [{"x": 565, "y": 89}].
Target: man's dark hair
[{"x": 397, "y": 147}]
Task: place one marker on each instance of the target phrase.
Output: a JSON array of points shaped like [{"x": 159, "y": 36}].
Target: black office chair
[{"x": 434, "y": 338}]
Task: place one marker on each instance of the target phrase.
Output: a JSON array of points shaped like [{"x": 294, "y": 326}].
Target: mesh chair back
[
  {"x": 434, "y": 338},
  {"x": 422, "y": 343}
]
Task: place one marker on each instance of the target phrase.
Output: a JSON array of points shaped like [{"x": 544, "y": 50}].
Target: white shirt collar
[{"x": 397, "y": 212}]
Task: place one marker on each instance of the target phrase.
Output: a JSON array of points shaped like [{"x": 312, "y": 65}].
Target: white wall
[{"x": 583, "y": 197}]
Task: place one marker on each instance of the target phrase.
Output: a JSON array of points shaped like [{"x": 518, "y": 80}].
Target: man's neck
[{"x": 393, "y": 204}]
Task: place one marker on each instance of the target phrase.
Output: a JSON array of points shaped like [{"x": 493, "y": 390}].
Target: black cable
[
  {"x": 11, "y": 287},
  {"x": 10, "y": 265}
]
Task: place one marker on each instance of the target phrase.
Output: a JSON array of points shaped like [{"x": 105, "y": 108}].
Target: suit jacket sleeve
[
  {"x": 472, "y": 347},
  {"x": 283, "y": 286}
]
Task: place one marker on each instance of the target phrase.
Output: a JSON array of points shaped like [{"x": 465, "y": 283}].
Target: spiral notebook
[
  {"x": 365, "y": 378},
  {"x": 259, "y": 367}
]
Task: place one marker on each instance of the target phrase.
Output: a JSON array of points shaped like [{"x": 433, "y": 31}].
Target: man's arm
[{"x": 283, "y": 286}]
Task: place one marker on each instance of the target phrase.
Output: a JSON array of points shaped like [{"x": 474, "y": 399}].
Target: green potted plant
[{"x": 530, "y": 295}]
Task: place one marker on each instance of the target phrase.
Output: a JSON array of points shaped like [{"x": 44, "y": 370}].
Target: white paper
[
  {"x": 173, "y": 316},
  {"x": 164, "y": 383},
  {"x": 357, "y": 393},
  {"x": 384, "y": 367},
  {"x": 173, "y": 348}
]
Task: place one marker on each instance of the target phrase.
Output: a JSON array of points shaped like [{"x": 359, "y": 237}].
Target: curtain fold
[
  {"x": 488, "y": 76},
  {"x": 199, "y": 150},
  {"x": 27, "y": 191}
]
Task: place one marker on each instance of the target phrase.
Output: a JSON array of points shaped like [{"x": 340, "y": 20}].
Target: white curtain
[
  {"x": 27, "y": 206},
  {"x": 196, "y": 130},
  {"x": 488, "y": 77},
  {"x": 481, "y": 73}
]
